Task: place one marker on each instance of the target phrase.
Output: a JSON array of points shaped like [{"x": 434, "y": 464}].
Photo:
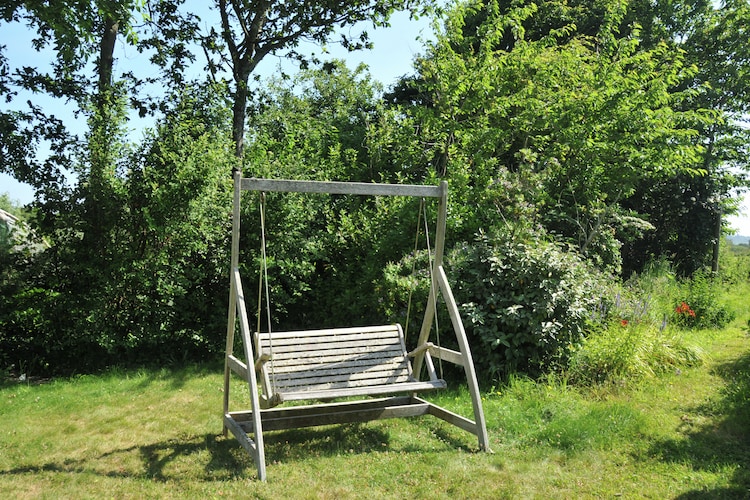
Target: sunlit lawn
[{"x": 157, "y": 434}]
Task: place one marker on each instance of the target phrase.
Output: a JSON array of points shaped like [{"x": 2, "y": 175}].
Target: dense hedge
[{"x": 524, "y": 304}]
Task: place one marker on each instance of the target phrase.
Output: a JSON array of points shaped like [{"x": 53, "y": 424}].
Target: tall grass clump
[
  {"x": 637, "y": 334},
  {"x": 700, "y": 305},
  {"x": 625, "y": 351}
]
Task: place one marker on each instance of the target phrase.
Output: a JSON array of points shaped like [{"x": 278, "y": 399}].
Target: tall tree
[
  {"x": 687, "y": 210},
  {"x": 681, "y": 62},
  {"x": 252, "y": 29},
  {"x": 79, "y": 34},
  {"x": 569, "y": 122},
  {"x": 99, "y": 188}
]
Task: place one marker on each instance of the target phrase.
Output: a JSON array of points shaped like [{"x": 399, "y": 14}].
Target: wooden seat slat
[
  {"x": 312, "y": 384},
  {"x": 337, "y": 356},
  {"x": 333, "y": 362},
  {"x": 301, "y": 349},
  {"x": 341, "y": 364},
  {"x": 356, "y": 331},
  {"x": 371, "y": 390},
  {"x": 332, "y": 358},
  {"x": 328, "y": 339},
  {"x": 322, "y": 376},
  {"x": 350, "y": 370}
]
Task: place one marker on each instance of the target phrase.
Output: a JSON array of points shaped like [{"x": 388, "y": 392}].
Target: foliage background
[{"x": 582, "y": 143}]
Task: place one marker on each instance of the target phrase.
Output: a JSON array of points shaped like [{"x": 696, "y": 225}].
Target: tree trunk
[
  {"x": 106, "y": 54},
  {"x": 239, "y": 110},
  {"x": 717, "y": 241},
  {"x": 100, "y": 161}
]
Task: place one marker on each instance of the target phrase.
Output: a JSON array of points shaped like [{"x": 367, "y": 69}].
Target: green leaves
[
  {"x": 525, "y": 305},
  {"x": 138, "y": 258},
  {"x": 577, "y": 121}
]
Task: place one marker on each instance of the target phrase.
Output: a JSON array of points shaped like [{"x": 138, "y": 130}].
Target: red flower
[
  {"x": 684, "y": 308},
  {"x": 624, "y": 322}
]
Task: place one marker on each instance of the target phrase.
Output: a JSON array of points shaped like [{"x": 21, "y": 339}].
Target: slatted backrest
[{"x": 319, "y": 360}]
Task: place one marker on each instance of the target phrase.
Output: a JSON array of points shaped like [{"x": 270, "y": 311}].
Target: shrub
[
  {"x": 699, "y": 305},
  {"x": 525, "y": 304},
  {"x": 148, "y": 282},
  {"x": 35, "y": 336}
]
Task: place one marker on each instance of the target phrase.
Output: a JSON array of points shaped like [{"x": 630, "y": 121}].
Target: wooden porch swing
[{"x": 350, "y": 362}]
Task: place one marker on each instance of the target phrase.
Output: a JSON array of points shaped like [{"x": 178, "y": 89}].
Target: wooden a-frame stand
[{"x": 348, "y": 378}]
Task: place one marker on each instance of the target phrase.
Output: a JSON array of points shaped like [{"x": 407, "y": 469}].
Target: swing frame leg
[
  {"x": 254, "y": 447},
  {"x": 247, "y": 426}
]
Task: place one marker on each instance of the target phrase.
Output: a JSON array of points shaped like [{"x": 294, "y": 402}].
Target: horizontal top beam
[{"x": 360, "y": 188}]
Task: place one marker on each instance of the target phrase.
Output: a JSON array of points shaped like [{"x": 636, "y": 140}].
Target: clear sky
[{"x": 392, "y": 56}]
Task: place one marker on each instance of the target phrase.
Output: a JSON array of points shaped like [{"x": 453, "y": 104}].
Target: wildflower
[
  {"x": 624, "y": 322},
  {"x": 685, "y": 309}
]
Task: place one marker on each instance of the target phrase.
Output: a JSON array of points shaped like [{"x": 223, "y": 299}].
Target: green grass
[{"x": 157, "y": 434}]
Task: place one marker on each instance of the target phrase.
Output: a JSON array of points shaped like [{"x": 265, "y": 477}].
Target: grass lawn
[{"x": 157, "y": 434}]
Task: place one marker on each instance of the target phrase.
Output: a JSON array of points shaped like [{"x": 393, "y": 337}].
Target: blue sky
[{"x": 392, "y": 56}]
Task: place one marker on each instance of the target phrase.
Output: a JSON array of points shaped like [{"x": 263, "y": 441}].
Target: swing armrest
[
  {"x": 262, "y": 360},
  {"x": 419, "y": 350}
]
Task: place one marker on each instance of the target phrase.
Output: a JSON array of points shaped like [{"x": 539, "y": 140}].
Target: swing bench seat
[
  {"x": 360, "y": 373},
  {"x": 338, "y": 363}
]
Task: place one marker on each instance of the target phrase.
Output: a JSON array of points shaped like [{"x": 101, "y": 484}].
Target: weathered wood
[
  {"x": 340, "y": 362},
  {"x": 254, "y": 449},
  {"x": 305, "y": 346},
  {"x": 430, "y": 365},
  {"x": 449, "y": 355},
  {"x": 336, "y": 413},
  {"x": 328, "y": 353},
  {"x": 231, "y": 314},
  {"x": 261, "y": 360},
  {"x": 352, "y": 188},
  {"x": 429, "y": 313},
  {"x": 311, "y": 376},
  {"x": 468, "y": 362},
  {"x": 240, "y": 431},
  {"x": 357, "y": 331},
  {"x": 338, "y": 358},
  {"x": 319, "y": 379},
  {"x": 457, "y": 420},
  {"x": 237, "y": 366},
  {"x": 252, "y": 382},
  {"x": 422, "y": 348},
  {"x": 370, "y": 390}
]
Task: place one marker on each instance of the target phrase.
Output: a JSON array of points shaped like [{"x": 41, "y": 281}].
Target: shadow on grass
[
  {"x": 153, "y": 461},
  {"x": 176, "y": 375},
  {"x": 301, "y": 444},
  {"x": 219, "y": 458},
  {"x": 719, "y": 436}
]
